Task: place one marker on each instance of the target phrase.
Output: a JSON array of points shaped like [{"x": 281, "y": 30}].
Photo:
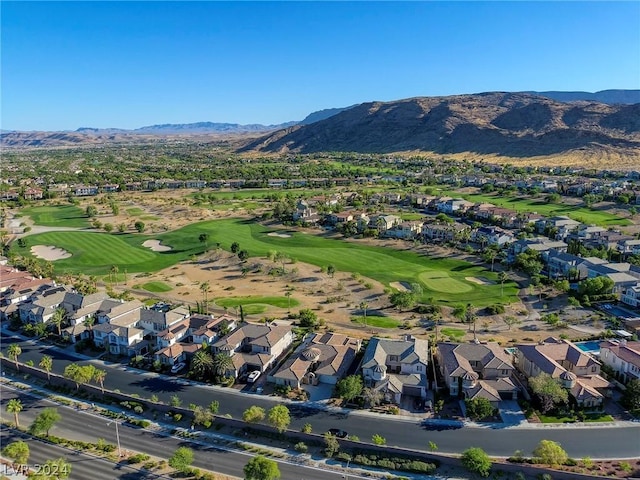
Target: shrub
[
  {"x": 477, "y": 461},
  {"x": 138, "y": 458},
  {"x": 301, "y": 447},
  {"x": 177, "y": 417}
]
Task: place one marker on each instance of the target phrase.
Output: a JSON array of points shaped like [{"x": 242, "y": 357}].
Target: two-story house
[
  {"x": 398, "y": 368},
  {"x": 623, "y": 357},
  {"x": 253, "y": 347},
  {"x": 321, "y": 358},
  {"x": 477, "y": 371},
  {"x": 578, "y": 372}
]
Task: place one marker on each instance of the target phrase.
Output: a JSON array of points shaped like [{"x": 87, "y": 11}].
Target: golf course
[{"x": 444, "y": 280}]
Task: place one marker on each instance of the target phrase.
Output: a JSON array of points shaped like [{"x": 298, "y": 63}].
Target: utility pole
[{"x": 117, "y": 437}]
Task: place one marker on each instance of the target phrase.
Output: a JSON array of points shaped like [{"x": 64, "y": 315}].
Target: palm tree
[
  {"x": 288, "y": 295},
  {"x": 363, "y": 307},
  {"x": 58, "y": 318},
  {"x": 490, "y": 256},
  {"x": 99, "y": 376},
  {"x": 202, "y": 364},
  {"x": 114, "y": 273},
  {"x": 221, "y": 363},
  {"x": 46, "y": 364},
  {"x": 502, "y": 277},
  {"x": 88, "y": 323},
  {"x": 14, "y": 406},
  {"x": 204, "y": 288},
  {"x": 14, "y": 351}
]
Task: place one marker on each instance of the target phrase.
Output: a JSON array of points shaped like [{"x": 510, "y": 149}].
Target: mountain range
[{"x": 502, "y": 124}]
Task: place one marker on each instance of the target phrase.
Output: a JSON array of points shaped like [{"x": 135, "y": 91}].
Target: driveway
[{"x": 511, "y": 413}]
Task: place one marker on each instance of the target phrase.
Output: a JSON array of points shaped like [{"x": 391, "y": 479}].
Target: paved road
[
  {"x": 578, "y": 441},
  {"x": 83, "y": 466},
  {"x": 89, "y": 428}
]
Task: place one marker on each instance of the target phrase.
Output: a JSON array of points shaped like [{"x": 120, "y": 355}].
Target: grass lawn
[
  {"x": 95, "y": 253},
  {"x": 256, "y": 304},
  {"x": 525, "y": 204},
  {"x": 135, "y": 211},
  {"x": 57, "y": 216},
  {"x": 598, "y": 417},
  {"x": 455, "y": 333},
  {"x": 377, "y": 321},
  {"x": 155, "y": 287},
  {"x": 590, "y": 417}
]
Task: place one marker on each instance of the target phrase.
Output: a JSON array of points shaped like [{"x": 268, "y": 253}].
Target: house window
[
  {"x": 593, "y": 369},
  {"x": 419, "y": 368}
]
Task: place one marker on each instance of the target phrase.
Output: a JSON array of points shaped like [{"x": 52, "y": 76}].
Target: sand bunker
[
  {"x": 400, "y": 286},
  {"x": 155, "y": 246},
  {"x": 479, "y": 280},
  {"x": 48, "y": 252},
  {"x": 276, "y": 234}
]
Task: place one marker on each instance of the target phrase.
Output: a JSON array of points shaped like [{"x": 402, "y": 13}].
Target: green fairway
[
  {"x": 377, "y": 321},
  {"x": 455, "y": 333},
  {"x": 95, "y": 253},
  {"x": 155, "y": 287},
  {"x": 57, "y": 216},
  {"x": 257, "y": 303},
  {"x": 539, "y": 205},
  {"x": 440, "y": 281},
  {"x": 135, "y": 211}
]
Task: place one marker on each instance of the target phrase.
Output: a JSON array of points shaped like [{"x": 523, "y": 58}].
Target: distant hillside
[
  {"x": 612, "y": 97},
  {"x": 323, "y": 114},
  {"x": 209, "y": 127},
  {"x": 504, "y": 124}
]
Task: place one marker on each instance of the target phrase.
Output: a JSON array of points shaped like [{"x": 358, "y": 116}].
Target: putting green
[{"x": 440, "y": 281}]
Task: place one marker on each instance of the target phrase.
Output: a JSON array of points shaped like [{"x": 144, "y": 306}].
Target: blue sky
[{"x": 129, "y": 64}]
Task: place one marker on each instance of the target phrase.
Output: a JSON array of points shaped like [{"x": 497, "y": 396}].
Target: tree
[
  {"x": 205, "y": 288},
  {"x": 243, "y": 255},
  {"x": 477, "y": 461},
  {"x": 46, "y": 364},
  {"x": 14, "y": 351},
  {"x": 17, "y": 451},
  {"x": 108, "y": 227},
  {"x": 550, "y": 452},
  {"x": 331, "y": 445},
  {"x": 139, "y": 226},
  {"x": 57, "y": 319},
  {"x": 204, "y": 238},
  {"x": 372, "y": 396},
  {"x": 59, "y": 466},
  {"x": 44, "y": 421},
  {"x": 14, "y": 406},
  {"x": 631, "y": 395},
  {"x": 79, "y": 374},
  {"x": 478, "y": 408},
  {"x": 202, "y": 364},
  {"x": 490, "y": 256},
  {"x": 548, "y": 390},
  {"x": 98, "y": 376},
  {"x": 349, "y": 387},
  {"x": 202, "y": 416},
  {"x": 331, "y": 270},
  {"x": 279, "y": 417},
  {"x": 261, "y": 468},
  {"x": 511, "y": 321},
  {"x": 308, "y": 318},
  {"x": 502, "y": 277},
  {"x": 214, "y": 406},
  {"x": 253, "y": 414},
  {"x": 363, "y": 308},
  {"x": 222, "y": 363},
  {"x": 181, "y": 459},
  {"x": 235, "y": 247},
  {"x": 91, "y": 211},
  {"x": 282, "y": 258},
  {"x": 403, "y": 300}
]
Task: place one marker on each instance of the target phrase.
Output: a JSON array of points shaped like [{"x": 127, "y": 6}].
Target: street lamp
[
  {"x": 346, "y": 475},
  {"x": 117, "y": 438}
]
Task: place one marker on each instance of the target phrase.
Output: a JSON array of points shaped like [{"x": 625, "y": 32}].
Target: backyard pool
[{"x": 591, "y": 346}]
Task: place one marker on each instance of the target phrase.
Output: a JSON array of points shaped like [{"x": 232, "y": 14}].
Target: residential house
[
  {"x": 254, "y": 347},
  {"x": 477, "y": 371},
  {"x": 608, "y": 239},
  {"x": 454, "y": 205},
  {"x": 558, "y": 227},
  {"x": 405, "y": 230},
  {"x": 123, "y": 339},
  {"x": 322, "y": 358},
  {"x": 539, "y": 244},
  {"x": 85, "y": 190},
  {"x": 628, "y": 247},
  {"x": 492, "y": 236},
  {"x": 207, "y": 329},
  {"x": 623, "y": 357},
  {"x": 305, "y": 213},
  {"x": 382, "y": 223},
  {"x": 41, "y": 307},
  {"x": 578, "y": 372},
  {"x": 443, "y": 232},
  {"x": 622, "y": 274},
  {"x": 398, "y": 368},
  {"x": 563, "y": 265},
  {"x": 631, "y": 295}
]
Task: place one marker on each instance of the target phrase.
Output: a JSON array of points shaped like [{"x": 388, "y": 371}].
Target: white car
[
  {"x": 253, "y": 376},
  {"x": 177, "y": 367}
]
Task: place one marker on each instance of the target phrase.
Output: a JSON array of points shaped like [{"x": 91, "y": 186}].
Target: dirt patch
[
  {"x": 280, "y": 235},
  {"x": 400, "y": 286},
  {"x": 156, "y": 246},
  {"x": 50, "y": 253},
  {"x": 479, "y": 280}
]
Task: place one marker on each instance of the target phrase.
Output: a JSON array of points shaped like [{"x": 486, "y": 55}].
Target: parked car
[
  {"x": 336, "y": 432},
  {"x": 253, "y": 376},
  {"x": 177, "y": 367}
]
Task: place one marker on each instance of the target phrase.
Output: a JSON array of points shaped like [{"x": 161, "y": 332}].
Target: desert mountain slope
[{"x": 507, "y": 124}]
